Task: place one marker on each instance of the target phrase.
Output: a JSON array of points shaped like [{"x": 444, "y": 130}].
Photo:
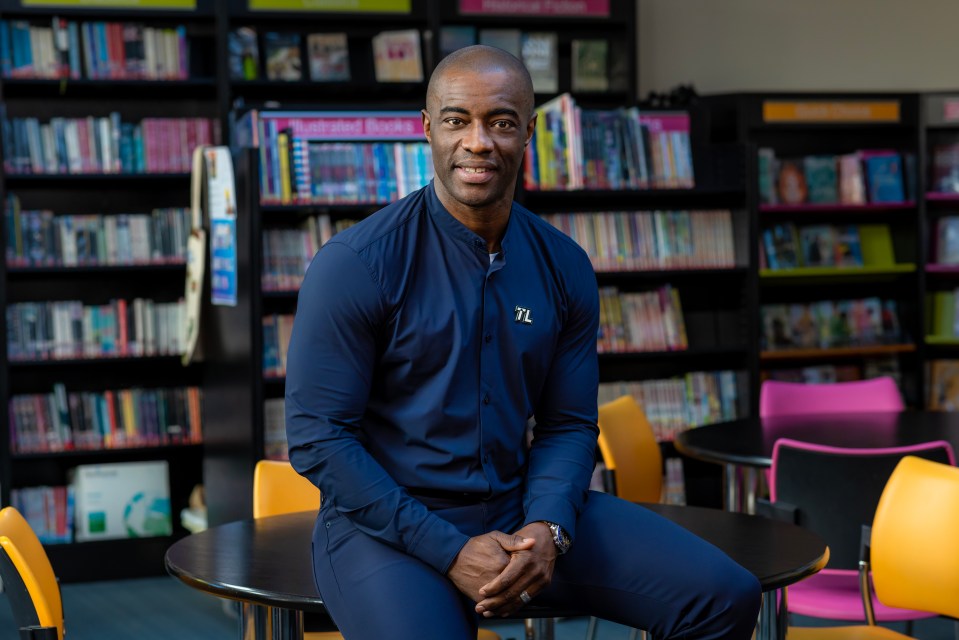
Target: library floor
[{"x": 162, "y": 608}]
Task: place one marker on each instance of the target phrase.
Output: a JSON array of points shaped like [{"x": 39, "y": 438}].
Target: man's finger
[
  {"x": 513, "y": 542},
  {"x": 507, "y": 577}
]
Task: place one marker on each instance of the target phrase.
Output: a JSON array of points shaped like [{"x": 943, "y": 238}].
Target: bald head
[{"x": 481, "y": 59}]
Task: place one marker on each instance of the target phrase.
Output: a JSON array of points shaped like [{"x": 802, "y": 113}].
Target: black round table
[
  {"x": 749, "y": 443},
  {"x": 266, "y": 563}
]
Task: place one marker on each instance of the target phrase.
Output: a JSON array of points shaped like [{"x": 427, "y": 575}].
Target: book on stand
[
  {"x": 329, "y": 57},
  {"x": 589, "y": 60},
  {"x": 282, "y": 54},
  {"x": 397, "y": 56},
  {"x": 244, "y": 54},
  {"x": 540, "y": 56}
]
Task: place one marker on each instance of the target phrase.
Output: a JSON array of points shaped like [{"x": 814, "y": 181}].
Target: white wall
[{"x": 801, "y": 45}]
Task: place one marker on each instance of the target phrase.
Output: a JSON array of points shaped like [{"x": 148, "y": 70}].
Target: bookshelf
[
  {"x": 94, "y": 255},
  {"x": 837, "y": 208}
]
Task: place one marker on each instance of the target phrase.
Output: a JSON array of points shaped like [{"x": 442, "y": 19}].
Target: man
[{"x": 425, "y": 338}]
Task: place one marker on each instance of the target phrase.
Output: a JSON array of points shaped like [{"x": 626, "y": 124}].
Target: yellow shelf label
[
  {"x": 358, "y": 6},
  {"x": 837, "y": 111},
  {"x": 114, "y": 4}
]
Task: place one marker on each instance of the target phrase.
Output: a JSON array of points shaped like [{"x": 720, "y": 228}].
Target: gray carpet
[{"x": 164, "y": 609}]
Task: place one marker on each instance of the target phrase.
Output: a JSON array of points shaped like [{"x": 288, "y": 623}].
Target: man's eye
[
  {"x": 503, "y": 124},
  {"x": 454, "y": 121}
]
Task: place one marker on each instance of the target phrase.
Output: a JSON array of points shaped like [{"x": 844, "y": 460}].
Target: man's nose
[{"x": 478, "y": 139}]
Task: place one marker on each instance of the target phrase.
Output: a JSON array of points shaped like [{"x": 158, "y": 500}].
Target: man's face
[{"x": 478, "y": 125}]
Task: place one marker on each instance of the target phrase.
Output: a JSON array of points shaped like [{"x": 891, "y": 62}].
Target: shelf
[
  {"x": 81, "y": 270},
  {"x": 806, "y": 272},
  {"x": 836, "y": 352},
  {"x": 660, "y": 274},
  {"x": 943, "y": 341},
  {"x": 935, "y": 196},
  {"x": 313, "y": 208},
  {"x": 386, "y": 95},
  {"x": 151, "y": 451},
  {"x": 943, "y": 269},
  {"x": 195, "y": 88},
  {"x": 285, "y": 294},
  {"x": 107, "y": 360},
  {"x": 59, "y": 178},
  {"x": 619, "y": 195},
  {"x": 701, "y": 352},
  {"x": 837, "y": 207}
]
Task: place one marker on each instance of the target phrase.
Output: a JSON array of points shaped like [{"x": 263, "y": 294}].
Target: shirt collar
[{"x": 458, "y": 230}]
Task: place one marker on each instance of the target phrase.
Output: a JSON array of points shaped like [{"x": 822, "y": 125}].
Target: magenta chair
[
  {"x": 795, "y": 398},
  {"x": 833, "y": 491}
]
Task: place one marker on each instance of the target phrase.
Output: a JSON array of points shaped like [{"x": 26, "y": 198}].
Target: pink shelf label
[
  {"x": 950, "y": 109},
  {"x": 665, "y": 121},
  {"x": 352, "y": 127},
  {"x": 592, "y": 8}
]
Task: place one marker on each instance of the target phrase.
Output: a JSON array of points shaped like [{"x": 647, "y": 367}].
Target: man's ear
[
  {"x": 426, "y": 123},
  {"x": 530, "y": 127}
]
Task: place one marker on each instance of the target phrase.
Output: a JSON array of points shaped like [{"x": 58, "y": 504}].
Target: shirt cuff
[
  {"x": 437, "y": 543},
  {"x": 552, "y": 509}
]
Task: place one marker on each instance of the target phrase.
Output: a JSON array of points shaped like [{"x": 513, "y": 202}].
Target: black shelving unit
[
  {"x": 107, "y": 194},
  {"x": 832, "y": 124}
]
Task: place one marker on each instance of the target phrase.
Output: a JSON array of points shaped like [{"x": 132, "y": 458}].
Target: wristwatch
[{"x": 560, "y": 537}]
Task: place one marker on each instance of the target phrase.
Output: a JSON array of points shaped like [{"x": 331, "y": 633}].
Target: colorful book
[
  {"x": 329, "y": 57},
  {"x": 822, "y": 179},
  {"x": 540, "y": 56},
  {"x": 509, "y": 40},
  {"x": 589, "y": 71},
  {"x": 397, "y": 57},
  {"x": 282, "y": 53}
]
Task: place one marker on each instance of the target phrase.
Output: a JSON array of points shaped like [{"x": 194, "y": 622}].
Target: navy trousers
[{"x": 627, "y": 564}]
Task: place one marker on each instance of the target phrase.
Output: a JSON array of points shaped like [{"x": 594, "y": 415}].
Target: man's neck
[{"x": 488, "y": 223}]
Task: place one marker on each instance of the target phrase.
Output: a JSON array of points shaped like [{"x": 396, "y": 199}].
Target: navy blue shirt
[{"x": 415, "y": 364}]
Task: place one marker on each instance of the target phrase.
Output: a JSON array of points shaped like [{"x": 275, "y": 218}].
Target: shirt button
[
  {"x": 486, "y": 399},
  {"x": 489, "y": 338}
]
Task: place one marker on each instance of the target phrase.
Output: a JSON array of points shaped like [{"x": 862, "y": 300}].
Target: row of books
[
  {"x": 675, "y": 404},
  {"x": 104, "y": 144},
  {"x": 943, "y": 385},
  {"x": 575, "y": 148},
  {"x": 830, "y": 323},
  {"x": 42, "y": 239},
  {"x": 651, "y": 240},
  {"x": 589, "y": 58},
  {"x": 112, "y": 419},
  {"x": 288, "y": 252},
  {"x": 101, "y": 502},
  {"x": 945, "y": 167},
  {"x": 945, "y": 249},
  {"x": 93, "y": 50},
  {"x": 784, "y": 246},
  {"x": 861, "y": 177},
  {"x": 276, "y": 341},
  {"x": 943, "y": 319},
  {"x": 48, "y": 510},
  {"x": 275, "y": 446},
  {"x": 637, "y": 322},
  {"x": 397, "y": 56},
  {"x": 69, "y": 329},
  {"x": 829, "y": 373},
  {"x": 303, "y": 171}
]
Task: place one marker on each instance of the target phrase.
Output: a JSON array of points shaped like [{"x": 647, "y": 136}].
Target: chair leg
[
  {"x": 593, "y": 623},
  {"x": 909, "y": 628}
]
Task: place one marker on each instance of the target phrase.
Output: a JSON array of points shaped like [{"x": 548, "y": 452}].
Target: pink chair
[
  {"x": 795, "y": 398},
  {"x": 833, "y": 491}
]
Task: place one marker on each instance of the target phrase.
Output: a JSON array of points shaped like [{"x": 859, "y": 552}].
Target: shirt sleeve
[
  {"x": 331, "y": 360},
  {"x": 563, "y": 453}
]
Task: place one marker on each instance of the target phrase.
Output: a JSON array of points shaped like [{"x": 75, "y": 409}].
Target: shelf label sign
[
  {"x": 402, "y": 126},
  {"x": 179, "y": 5},
  {"x": 358, "y": 6},
  {"x": 950, "y": 110},
  {"x": 577, "y": 8},
  {"x": 665, "y": 122},
  {"x": 846, "y": 111}
]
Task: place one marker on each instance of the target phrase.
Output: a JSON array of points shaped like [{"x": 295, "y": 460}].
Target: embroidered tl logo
[{"x": 524, "y": 315}]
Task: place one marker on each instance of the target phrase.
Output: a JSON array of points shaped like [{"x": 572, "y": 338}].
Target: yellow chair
[
  {"x": 914, "y": 556},
  {"x": 28, "y": 577},
  {"x": 279, "y": 489},
  {"x": 630, "y": 450},
  {"x": 634, "y": 463}
]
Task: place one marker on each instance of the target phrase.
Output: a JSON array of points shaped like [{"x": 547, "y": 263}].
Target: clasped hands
[{"x": 495, "y": 568}]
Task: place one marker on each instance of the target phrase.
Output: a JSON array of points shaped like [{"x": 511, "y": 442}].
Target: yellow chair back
[
  {"x": 279, "y": 489},
  {"x": 630, "y": 450},
  {"x": 915, "y": 558},
  {"x": 25, "y": 552}
]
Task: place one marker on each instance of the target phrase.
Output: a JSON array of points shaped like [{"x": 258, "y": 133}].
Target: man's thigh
[
  {"x": 632, "y": 566},
  {"x": 373, "y": 591}
]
